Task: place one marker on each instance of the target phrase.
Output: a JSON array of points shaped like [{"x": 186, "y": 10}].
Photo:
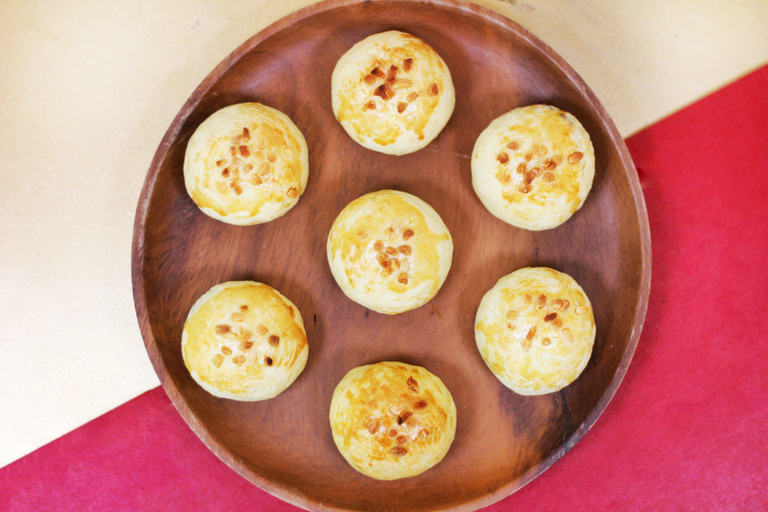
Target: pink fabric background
[{"x": 686, "y": 430}]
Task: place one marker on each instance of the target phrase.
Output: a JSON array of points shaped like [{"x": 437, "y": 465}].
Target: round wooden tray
[{"x": 503, "y": 440}]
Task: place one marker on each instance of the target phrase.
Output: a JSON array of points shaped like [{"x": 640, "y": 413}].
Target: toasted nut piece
[
  {"x": 545, "y": 342},
  {"x": 255, "y": 180},
  {"x": 421, "y": 404},
  {"x": 521, "y": 168},
  {"x": 217, "y": 360},
  {"x": 267, "y": 361},
  {"x": 399, "y": 451},
  {"x": 222, "y": 329},
  {"x": 246, "y": 345},
  {"x": 246, "y": 134},
  {"x": 502, "y": 158},
  {"x": 372, "y": 425},
  {"x": 391, "y": 74},
  {"x": 392, "y": 432},
  {"x": 513, "y": 145},
  {"x": 524, "y": 188},
  {"x": 219, "y": 163},
  {"x": 369, "y": 79},
  {"x": 236, "y": 139},
  {"x": 566, "y": 305},
  {"x": 377, "y": 72},
  {"x": 531, "y": 333},
  {"x": 244, "y": 151},
  {"x": 407, "y": 63},
  {"x": 225, "y": 172},
  {"x": 226, "y": 351},
  {"x": 400, "y": 439},
  {"x": 274, "y": 340},
  {"x": 549, "y": 177},
  {"x": 238, "y": 360},
  {"x": 237, "y": 188},
  {"x": 371, "y": 105},
  {"x": 432, "y": 90},
  {"x": 550, "y": 317},
  {"x": 541, "y": 301},
  {"x": 292, "y": 193},
  {"x": 528, "y": 176},
  {"x": 237, "y": 317},
  {"x": 391, "y": 251},
  {"x": 232, "y": 150},
  {"x": 413, "y": 384},
  {"x": 378, "y": 246},
  {"x": 404, "y": 417},
  {"x": 412, "y": 96},
  {"x": 408, "y": 233},
  {"x": 401, "y": 107},
  {"x": 261, "y": 329},
  {"x": 404, "y": 249},
  {"x": 402, "y": 278},
  {"x": 558, "y": 159},
  {"x": 575, "y": 157}
]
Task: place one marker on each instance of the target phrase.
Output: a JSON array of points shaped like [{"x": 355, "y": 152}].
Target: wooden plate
[{"x": 503, "y": 440}]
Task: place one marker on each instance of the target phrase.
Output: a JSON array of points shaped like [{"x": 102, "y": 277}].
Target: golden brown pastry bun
[
  {"x": 246, "y": 164},
  {"x": 392, "y": 93},
  {"x": 389, "y": 251},
  {"x": 535, "y": 330},
  {"x": 392, "y": 420},
  {"x": 245, "y": 341},
  {"x": 533, "y": 167}
]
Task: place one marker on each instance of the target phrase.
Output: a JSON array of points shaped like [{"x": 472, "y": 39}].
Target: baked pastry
[
  {"x": 245, "y": 341},
  {"x": 533, "y": 167},
  {"x": 535, "y": 330},
  {"x": 392, "y": 93},
  {"x": 392, "y": 420},
  {"x": 246, "y": 164},
  {"x": 389, "y": 251}
]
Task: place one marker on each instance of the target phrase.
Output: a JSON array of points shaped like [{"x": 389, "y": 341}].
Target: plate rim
[{"x": 295, "y": 496}]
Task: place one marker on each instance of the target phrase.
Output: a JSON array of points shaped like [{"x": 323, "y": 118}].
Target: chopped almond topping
[
  {"x": 528, "y": 176},
  {"x": 292, "y": 192},
  {"x": 246, "y": 134},
  {"x": 405, "y": 415},
  {"x": 531, "y": 333},
  {"x": 244, "y": 151},
  {"x": 513, "y": 145},
  {"x": 558, "y": 159},
  {"x": 575, "y": 157},
  {"x": 402, "y": 278},
  {"x": 238, "y": 189},
  {"x": 550, "y": 317},
  {"x": 261, "y": 329},
  {"x": 378, "y": 246},
  {"x": 369, "y": 79},
  {"x": 524, "y": 188},
  {"x": 226, "y": 351},
  {"x": 225, "y": 172},
  {"x": 545, "y": 342},
  {"x": 408, "y": 233},
  {"x": 219, "y": 163},
  {"x": 237, "y": 317},
  {"x": 248, "y": 168},
  {"x": 541, "y": 301},
  {"x": 377, "y": 72},
  {"x": 236, "y": 139},
  {"x": 566, "y": 305},
  {"x": 232, "y": 150},
  {"x": 407, "y": 63},
  {"x": 255, "y": 180},
  {"x": 404, "y": 249},
  {"x": 391, "y": 251},
  {"x": 267, "y": 361},
  {"x": 246, "y": 345},
  {"x": 371, "y": 105},
  {"x": 549, "y": 177},
  {"x": 222, "y": 329},
  {"x": 238, "y": 360},
  {"x": 244, "y": 308},
  {"x": 273, "y": 340},
  {"x": 421, "y": 404},
  {"x": 399, "y": 451},
  {"x": 391, "y": 74},
  {"x": 502, "y": 158},
  {"x": 384, "y": 91},
  {"x": 412, "y": 96},
  {"x": 217, "y": 360},
  {"x": 401, "y": 107},
  {"x": 413, "y": 384},
  {"x": 383, "y": 259},
  {"x": 433, "y": 90},
  {"x": 271, "y": 157}
]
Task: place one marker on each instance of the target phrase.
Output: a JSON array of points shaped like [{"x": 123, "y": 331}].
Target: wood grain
[{"x": 503, "y": 440}]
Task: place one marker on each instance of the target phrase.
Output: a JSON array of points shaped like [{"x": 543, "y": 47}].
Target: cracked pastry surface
[
  {"x": 392, "y": 420},
  {"x": 244, "y": 341},
  {"x": 246, "y": 164},
  {"x": 533, "y": 167},
  {"x": 535, "y": 330},
  {"x": 392, "y": 93},
  {"x": 389, "y": 251}
]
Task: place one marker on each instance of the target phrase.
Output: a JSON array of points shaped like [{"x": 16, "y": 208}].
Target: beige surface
[{"x": 87, "y": 91}]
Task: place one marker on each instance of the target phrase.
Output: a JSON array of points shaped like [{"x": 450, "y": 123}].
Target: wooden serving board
[{"x": 503, "y": 440}]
